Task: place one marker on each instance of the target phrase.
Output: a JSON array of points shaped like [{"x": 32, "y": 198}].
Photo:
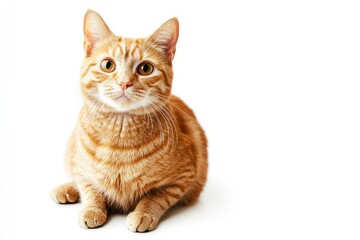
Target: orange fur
[{"x": 136, "y": 148}]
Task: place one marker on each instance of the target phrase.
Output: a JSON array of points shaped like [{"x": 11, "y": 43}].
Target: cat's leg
[
  {"x": 153, "y": 205},
  {"x": 65, "y": 193},
  {"x": 94, "y": 213}
]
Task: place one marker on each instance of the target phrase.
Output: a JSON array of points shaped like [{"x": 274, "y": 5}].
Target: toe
[
  {"x": 144, "y": 224},
  {"x": 92, "y": 218},
  {"x": 132, "y": 221},
  {"x": 141, "y": 222}
]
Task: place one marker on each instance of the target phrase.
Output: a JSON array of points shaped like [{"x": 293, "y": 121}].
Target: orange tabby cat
[{"x": 136, "y": 148}]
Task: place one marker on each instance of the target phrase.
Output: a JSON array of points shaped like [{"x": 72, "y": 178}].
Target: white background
[{"x": 275, "y": 84}]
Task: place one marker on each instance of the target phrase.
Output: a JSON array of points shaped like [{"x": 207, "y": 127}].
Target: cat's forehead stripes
[{"x": 127, "y": 48}]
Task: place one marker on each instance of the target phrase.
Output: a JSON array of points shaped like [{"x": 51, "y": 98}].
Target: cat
[{"x": 136, "y": 148}]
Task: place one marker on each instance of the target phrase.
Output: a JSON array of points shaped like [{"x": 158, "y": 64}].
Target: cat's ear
[
  {"x": 95, "y": 30},
  {"x": 165, "y": 37}
]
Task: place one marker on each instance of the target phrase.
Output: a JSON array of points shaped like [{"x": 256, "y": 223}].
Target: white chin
[{"x": 122, "y": 104}]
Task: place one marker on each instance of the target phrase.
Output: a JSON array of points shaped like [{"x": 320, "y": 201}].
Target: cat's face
[{"x": 127, "y": 75}]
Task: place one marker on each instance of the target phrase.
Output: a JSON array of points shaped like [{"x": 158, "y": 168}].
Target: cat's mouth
[
  {"x": 123, "y": 98},
  {"x": 121, "y": 101}
]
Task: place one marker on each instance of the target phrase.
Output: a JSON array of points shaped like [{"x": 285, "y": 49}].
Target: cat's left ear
[
  {"x": 165, "y": 38},
  {"x": 95, "y": 30}
]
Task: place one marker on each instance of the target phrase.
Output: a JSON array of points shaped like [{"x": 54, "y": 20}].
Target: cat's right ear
[{"x": 95, "y": 30}]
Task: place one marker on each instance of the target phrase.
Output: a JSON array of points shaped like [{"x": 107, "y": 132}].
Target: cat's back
[
  {"x": 193, "y": 133},
  {"x": 188, "y": 124}
]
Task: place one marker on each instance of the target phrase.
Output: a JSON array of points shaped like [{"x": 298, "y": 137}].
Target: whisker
[
  {"x": 148, "y": 117},
  {"x": 157, "y": 119},
  {"x": 166, "y": 121},
  {"x": 167, "y": 100},
  {"x": 167, "y": 115}
]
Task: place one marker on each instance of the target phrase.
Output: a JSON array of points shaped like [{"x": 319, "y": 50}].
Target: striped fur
[{"x": 136, "y": 149}]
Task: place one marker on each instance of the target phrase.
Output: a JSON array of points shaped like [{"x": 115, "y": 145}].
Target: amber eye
[
  {"x": 145, "y": 68},
  {"x": 108, "y": 65}
]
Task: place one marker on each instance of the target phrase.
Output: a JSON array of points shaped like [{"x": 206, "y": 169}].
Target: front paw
[
  {"x": 140, "y": 222},
  {"x": 92, "y": 217},
  {"x": 66, "y": 193}
]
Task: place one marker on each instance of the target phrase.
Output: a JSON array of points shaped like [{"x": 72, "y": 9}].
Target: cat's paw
[
  {"x": 92, "y": 217},
  {"x": 66, "y": 193},
  {"x": 140, "y": 222}
]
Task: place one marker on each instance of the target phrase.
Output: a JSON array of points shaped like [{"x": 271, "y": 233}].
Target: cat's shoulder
[{"x": 180, "y": 107}]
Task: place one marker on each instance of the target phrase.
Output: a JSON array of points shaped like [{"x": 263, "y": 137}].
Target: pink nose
[{"x": 125, "y": 85}]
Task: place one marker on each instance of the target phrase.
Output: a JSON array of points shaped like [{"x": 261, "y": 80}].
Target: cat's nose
[{"x": 125, "y": 85}]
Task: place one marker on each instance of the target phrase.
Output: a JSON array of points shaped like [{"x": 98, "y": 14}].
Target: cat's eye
[
  {"x": 108, "y": 65},
  {"x": 145, "y": 68}
]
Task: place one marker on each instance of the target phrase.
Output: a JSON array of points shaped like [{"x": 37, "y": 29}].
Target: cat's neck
[{"x": 125, "y": 128}]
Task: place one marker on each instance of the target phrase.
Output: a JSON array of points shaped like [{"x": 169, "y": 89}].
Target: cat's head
[{"x": 123, "y": 74}]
